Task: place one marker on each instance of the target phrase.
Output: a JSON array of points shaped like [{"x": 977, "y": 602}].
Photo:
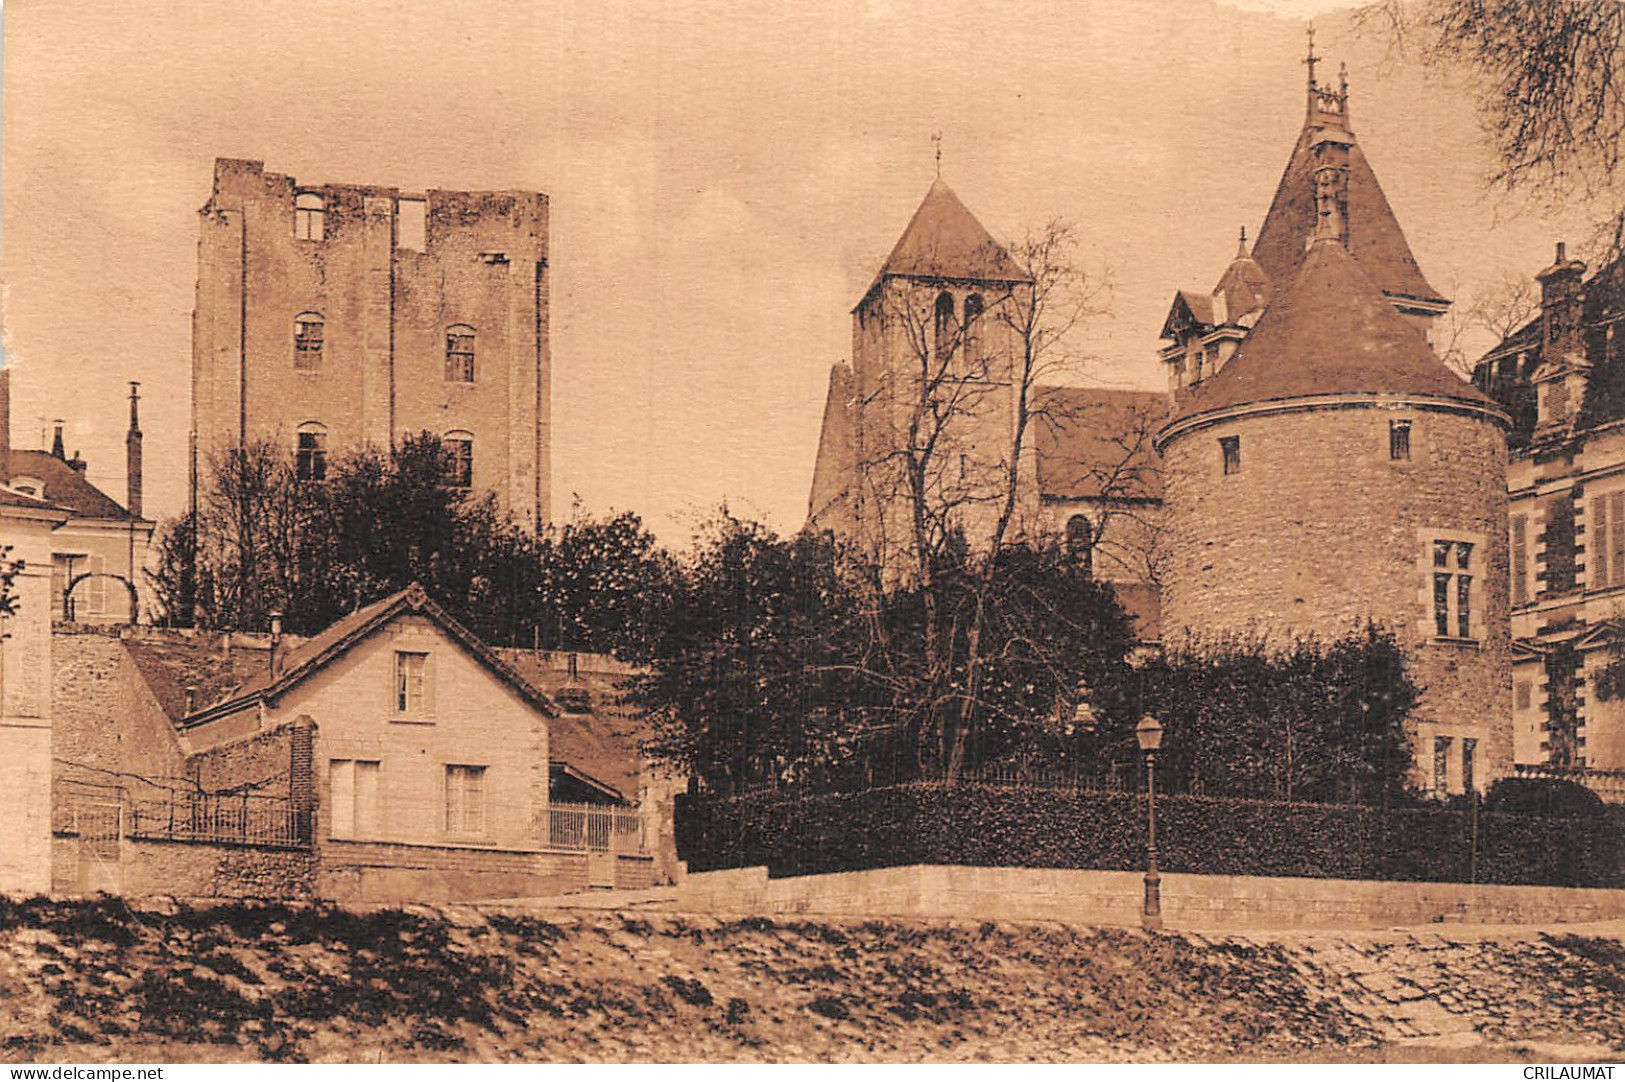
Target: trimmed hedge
[{"x": 982, "y": 825}]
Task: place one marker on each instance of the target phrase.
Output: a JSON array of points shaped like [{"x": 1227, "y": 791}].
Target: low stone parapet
[{"x": 1194, "y": 902}]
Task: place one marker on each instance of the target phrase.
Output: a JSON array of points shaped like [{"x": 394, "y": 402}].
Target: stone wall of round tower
[{"x": 1322, "y": 523}]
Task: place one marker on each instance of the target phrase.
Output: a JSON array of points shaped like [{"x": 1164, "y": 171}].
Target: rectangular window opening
[
  {"x": 1230, "y": 451},
  {"x": 1399, "y": 441},
  {"x": 465, "y": 799},
  {"x": 411, "y": 668},
  {"x": 411, "y": 224}
]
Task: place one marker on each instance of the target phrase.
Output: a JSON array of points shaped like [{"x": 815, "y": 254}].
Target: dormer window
[{"x": 29, "y": 486}]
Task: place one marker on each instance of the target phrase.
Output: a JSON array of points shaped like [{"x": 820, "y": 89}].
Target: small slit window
[
  {"x": 309, "y": 216},
  {"x": 1230, "y": 454},
  {"x": 309, "y": 330},
  {"x": 460, "y": 353},
  {"x": 1399, "y": 441}
]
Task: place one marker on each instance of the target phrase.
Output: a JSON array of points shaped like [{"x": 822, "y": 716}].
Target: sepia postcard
[{"x": 867, "y": 531}]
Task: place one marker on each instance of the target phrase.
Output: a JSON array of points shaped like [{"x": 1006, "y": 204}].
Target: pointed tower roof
[
  {"x": 1375, "y": 239},
  {"x": 1329, "y": 331},
  {"x": 944, "y": 240},
  {"x": 1244, "y": 286}
]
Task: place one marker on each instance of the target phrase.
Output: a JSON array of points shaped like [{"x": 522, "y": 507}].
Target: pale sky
[{"x": 725, "y": 179}]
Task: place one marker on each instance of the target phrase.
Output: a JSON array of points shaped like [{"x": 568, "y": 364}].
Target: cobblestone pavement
[{"x": 169, "y": 981}]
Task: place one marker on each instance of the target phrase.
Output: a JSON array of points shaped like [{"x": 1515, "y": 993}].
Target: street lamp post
[{"x": 1149, "y": 734}]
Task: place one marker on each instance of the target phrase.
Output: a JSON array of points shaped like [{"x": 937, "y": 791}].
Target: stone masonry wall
[{"x": 1320, "y": 530}]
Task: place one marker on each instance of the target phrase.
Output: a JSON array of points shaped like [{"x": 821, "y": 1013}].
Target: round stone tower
[{"x": 1334, "y": 472}]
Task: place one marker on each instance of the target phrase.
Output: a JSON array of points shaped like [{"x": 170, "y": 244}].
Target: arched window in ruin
[
  {"x": 309, "y": 216},
  {"x": 310, "y": 454},
  {"x": 459, "y": 447},
  {"x": 460, "y": 353},
  {"x": 308, "y": 331}
]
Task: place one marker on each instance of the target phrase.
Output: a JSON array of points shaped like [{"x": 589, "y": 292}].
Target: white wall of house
[
  {"x": 25, "y": 706},
  {"x": 465, "y": 763}
]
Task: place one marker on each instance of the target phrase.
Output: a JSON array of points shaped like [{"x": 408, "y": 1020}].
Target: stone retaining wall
[{"x": 1115, "y": 898}]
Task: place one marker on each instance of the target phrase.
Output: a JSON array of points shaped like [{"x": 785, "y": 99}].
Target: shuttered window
[
  {"x": 1520, "y": 560},
  {"x": 1605, "y": 541}
]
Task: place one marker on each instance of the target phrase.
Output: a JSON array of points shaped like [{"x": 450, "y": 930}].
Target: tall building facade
[
  {"x": 1323, "y": 468},
  {"x": 1561, "y": 376},
  {"x": 330, "y": 317}
]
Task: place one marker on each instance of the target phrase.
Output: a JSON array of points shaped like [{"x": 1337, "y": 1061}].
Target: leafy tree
[
  {"x": 265, "y": 541},
  {"x": 784, "y": 663},
  {"x": 1316, "y": 721}
]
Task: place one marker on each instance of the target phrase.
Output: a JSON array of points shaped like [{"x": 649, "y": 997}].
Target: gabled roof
[
  {"x": 1088, "y": 440},
  {"x": 1375, "y": 239},
  {"x": 65, "y": 486},
  {"x": 944, "y": 240},
  {"x": 1329, "y": 331},
  {"x": 316, "y": 653},
  {"x": 1190, "y": 306},
  {"x": 605, "y": 742}
]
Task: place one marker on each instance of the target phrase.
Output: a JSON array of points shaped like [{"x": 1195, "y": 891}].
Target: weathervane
[
  {"x": 1311, "y": 59},
  {"x": 936, "y": 138}
]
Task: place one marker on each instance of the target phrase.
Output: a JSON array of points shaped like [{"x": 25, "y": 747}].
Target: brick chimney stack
[
  {"x": 57, "y": 450},
  {"x": 132, "y": 453},
  {"x": 1561, "y": 305}
]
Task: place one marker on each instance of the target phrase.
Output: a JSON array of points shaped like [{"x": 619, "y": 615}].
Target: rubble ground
[{"x": 167, "y": 981}]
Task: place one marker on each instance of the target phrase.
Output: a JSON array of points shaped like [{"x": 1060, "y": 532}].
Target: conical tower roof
[
  {"x": 944, "y": 240},
  {"x": 1329, "y": 331},
  {"x": 1244, "y": 286},
  {"x": 1375, "y": 240}
]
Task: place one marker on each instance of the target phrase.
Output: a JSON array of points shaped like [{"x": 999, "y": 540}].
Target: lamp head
[{"x": 1149, "y": 734}]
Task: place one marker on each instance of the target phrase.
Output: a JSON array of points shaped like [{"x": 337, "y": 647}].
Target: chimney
[
  {"x": 1561, "y": 306},
  {"x": 77, "y": 463},
  {"x": 132, "y": 453},
  {"x": 276, "y": 640},
  {"x": 57, "y": 449}
]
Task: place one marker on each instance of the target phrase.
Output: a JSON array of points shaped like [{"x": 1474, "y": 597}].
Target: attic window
[
  {"x": 29, "y": 486},
  {"x": 575, "y": 700},
  {"x": 1230, "y": 453}
]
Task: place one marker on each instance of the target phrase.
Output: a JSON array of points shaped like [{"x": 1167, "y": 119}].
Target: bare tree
[
  {"x": 1494, "y": 312},
  {"x": 949, "y": 479},
  {"x": 1547, "y": 78}
]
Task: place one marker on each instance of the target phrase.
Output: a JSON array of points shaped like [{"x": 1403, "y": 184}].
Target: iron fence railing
[
  {"x": 1607, "y": 784},
  {"x": 591, "y": 828}
]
